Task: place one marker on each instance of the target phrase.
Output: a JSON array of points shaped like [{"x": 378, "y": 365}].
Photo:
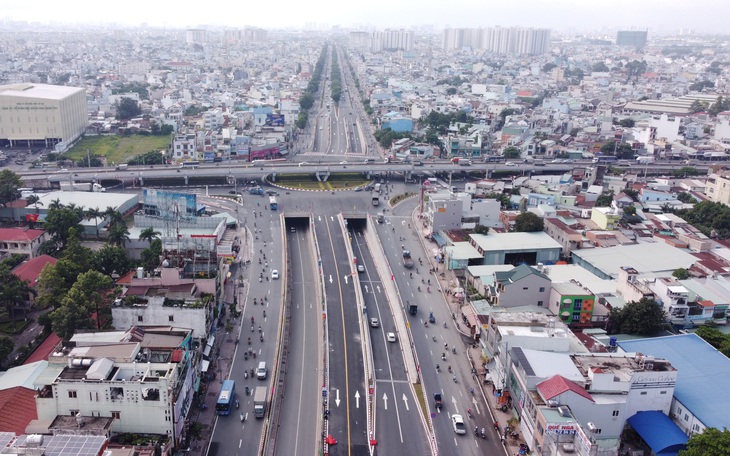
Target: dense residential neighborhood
[{"x": 568, "y": 193}]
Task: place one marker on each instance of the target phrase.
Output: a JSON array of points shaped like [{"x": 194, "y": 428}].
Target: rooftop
[
  {"x": 87, "y": 200},
  {"x": 19, "y": 234},
  {"x": 646, "y": 258},
  {"x": 30, "y": 270},
  {"x": 557, "y": 385},
  {"x": 46, "y": 91},
  {"x": 702, "y": 374},
  {"x": 515, "y": 241}
]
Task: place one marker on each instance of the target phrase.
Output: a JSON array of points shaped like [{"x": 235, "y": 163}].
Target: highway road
[
  {"x": 394, "y": 234},
  {"x": 347, "y": 388},
  {"x": 301, "y": 408},
  {"x": 398, "y": 425},
  {"x": 230, "y": 436}
]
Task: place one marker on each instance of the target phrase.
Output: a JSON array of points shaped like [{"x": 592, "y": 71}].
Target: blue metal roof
[
  {"x": 702, "y": 374},
  {"x": 661, "y": 434}
]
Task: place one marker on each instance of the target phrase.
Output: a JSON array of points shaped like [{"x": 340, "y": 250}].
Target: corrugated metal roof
[{"x": 702, "y": 374}]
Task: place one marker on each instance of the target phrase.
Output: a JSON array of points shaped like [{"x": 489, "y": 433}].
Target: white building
[
  {"x": 42, "y": 114},
  {"x": 443, "y": 212}
]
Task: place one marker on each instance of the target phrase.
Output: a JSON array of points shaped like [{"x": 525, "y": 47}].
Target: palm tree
[
  {"x": 118, "y": 234},
  {"x": 149, "y": 234},
  {"x": 114, "y": 215},
  {"x": 96, "y": 214},
  {"x": 55, "y": 204}
]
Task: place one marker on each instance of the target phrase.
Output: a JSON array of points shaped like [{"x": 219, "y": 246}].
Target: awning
[
  {"x": 440, "y": 240},
  {"x": 204, "y": 365},
  {"x": 659, "y": 432}
]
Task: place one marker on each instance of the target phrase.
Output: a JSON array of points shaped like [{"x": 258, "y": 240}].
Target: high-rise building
[
  {"x": 196, "y": 36},
  {"x": 392, "y": 40},
  {"x": 503, "y": 40},
  {"x": 636, "y": 38}
]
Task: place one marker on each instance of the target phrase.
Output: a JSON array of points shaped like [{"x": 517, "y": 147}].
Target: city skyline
[{"x": 703, "y": 16}]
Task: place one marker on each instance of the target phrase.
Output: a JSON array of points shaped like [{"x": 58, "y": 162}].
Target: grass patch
[
  {"x": 338, "y": 181},
  {"x": 420, "y": 395},
  {"x": 7, "y": 327},
  {"x": 398, "y": 198},
  {"x": 117, "y": 149}
]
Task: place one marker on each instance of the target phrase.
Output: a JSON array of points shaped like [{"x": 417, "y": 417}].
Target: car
[
  {"x": 391, "y": 337},
  {"x": 274, "y": 274},
  {"x": 510, "y": 164},
  {"x": 374, "y": 323},
  {"x": 232, "y": 192},
  {"x": 458, "y": 423},
  {"x": 343, "y": 162},
  {"x": 293, "y": 230},
  {"x": 360, "y": 268}
]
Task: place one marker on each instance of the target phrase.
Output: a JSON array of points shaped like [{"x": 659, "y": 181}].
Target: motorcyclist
[
  {"x": 438, "y": 368},
  {"x": 249, "y": 341}
]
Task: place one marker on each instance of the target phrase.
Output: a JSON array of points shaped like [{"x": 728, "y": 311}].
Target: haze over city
[{"x": 569, "y": 15}]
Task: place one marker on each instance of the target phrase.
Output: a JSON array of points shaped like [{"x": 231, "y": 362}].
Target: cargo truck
[
  {"x": 259, "y": 402},
  {"x": 81, "y": 187},
  {"x": 376, "y": 199}
]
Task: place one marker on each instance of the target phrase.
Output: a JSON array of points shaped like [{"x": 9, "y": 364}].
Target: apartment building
[{"x": 718, "y": 188}]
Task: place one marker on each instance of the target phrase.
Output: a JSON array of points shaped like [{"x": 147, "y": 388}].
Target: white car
[
  {"x": 391, "y": 337},
  {"x": 458, "y": 422},
  {"x": 374, "y": 323},
  {"x": 274, "y": 274},
  {"x": 360, "y": 268},
  {"x": 510, "y": 164}
]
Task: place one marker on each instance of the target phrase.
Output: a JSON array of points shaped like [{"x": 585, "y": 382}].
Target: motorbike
[
  {"x": 254, "y": 355},
  {"x": 454, "y": 378},
  {"x": 484, "y": 434},
  {"x": 425, "y": 323},
  {"x": 249, "y": 341},
  {"x": 242, "y": 417},
  {"x": 450, "y": 371},
  {"x": 238, "y": 404},
  {"x": 443, "y": 356},
  {"x": 434, "y": 338},
  {"x": 261, "y": 337},
  {"x": 453, "y": 350},
  {"x": 248, "y": 390},
  {"x": 438, "y": 368}
]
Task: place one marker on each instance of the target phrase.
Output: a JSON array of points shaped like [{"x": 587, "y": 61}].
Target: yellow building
[{"x": 606, "y": 218}]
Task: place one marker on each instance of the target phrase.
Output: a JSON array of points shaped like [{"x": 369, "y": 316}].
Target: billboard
[
  {"x": 266, "y": 152},
  {"x": 168, "y": 204},
  {"x": 274, "y": 120}
]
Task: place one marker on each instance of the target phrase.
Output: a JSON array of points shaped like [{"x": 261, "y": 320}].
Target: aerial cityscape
[{"x": 414, "y": 229}]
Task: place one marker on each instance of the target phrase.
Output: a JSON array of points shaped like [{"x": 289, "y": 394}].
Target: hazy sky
[{"x": 659, "y": 15}]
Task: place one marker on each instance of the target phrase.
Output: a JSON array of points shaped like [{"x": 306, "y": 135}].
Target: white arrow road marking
[
  {"x": 346, "y": 282},
  {"x": 366, "y": 289},
  {"x": 357, "y": 399},
  {"x": 330, "y": 278},
  {"x": 385, "y": 401},
  {"x": 337, "y": 397},
  {"x": 405, "y": 401},
  {"x": 378, "y": 289}
]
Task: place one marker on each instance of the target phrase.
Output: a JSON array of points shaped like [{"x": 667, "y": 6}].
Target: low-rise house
[{"x": 21, "y": 241}]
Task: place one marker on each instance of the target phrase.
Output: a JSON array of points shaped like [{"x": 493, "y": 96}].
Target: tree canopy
[
  {"x": 643, "y": 318},
  {"x": 527, "y": 222},
  {"x": 127, "y": 108},
  {"x": 62, "y": 222},
  {"x": 9, "y": 185},
  {"x": 712, "y": 442},
  {"x": 621, "y": 150},
  {"x": 605, "y": 199},
  {"x": 712, "y": 219},
  {"x": 715, "y": 337}
]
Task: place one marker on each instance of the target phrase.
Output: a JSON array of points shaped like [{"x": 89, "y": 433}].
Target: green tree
[
  {"x": 627, "y": 123},
  {"x": 481, "y": 229},
  {"x": 118, "y": 234},
  {"x": 96, "y": 214},
  {"x": 511, "y": 152},
  {"x": 686, "y": 171},
  {"x": 527, "y": 222},
  {"x": 699, "y": 86},
  {"x": 712, "y": 442},
  {"x": 13, "y": 292},
  {"x": 621, "y": 150},
  {"x": 634, "y": 69},
  {"x": 60, "y": 222},
  {"x": 110, "y": 259},
  {"x": 6, "y": 348},
  {"x": 127, "y": 108},
  {"x": 69, "y": 317},
  {"x": 150, "y": 257},
  {"x": 548, "y": 67},
  {"x": 643, "y": 318},
  {"x": 686, "y": 198},
  {"x": 51, "y": 287},
  {"x": 630, "y": 210},
  {"x": 9, "y": 185},
  {"x": 605, "y": 199},
  {"x": 306, "y": 101},
  {"x": 302, "y": 120},
  {"x": 76, "y": 259},
  {"x": 712, "y": 335},
  {"x": 149, "y": 234},
  {"x": 600, "y": 67},
  {"x": 681, "y": 274},
  {"x": 95, "y": 288},
  {"x": 631, "y": 193}
]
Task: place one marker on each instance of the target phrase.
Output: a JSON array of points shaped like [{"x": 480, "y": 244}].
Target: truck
[
  {"x": 461, "y": 161},
  {"x": 437, "y": 402},
  {"x": 256, "y": 191},
  {"x": 381, "y": 217},
  {"x": 376, "y": 199},
  {"x": 644, "y": 160},
  {"x": 81, "y": 187},
  {"x": 377, "y": 188},
  {"x": 412, "y": 308},
  {"x": 122, "y": 166},
  {"x": 259, "y": 402},
  {"x": 407, "y": 260}
]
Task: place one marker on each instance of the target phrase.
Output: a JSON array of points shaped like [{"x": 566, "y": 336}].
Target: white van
[{"x": 262, "y": 372}]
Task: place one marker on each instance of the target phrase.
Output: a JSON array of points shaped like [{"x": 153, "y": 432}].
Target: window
[
  {"x": 525, "y": 288},
  {"x": 140, "y": 318},
  {"x": 615, "y": 413},
  {"x": 93, "y": 396},
  {"x": 117, "y": 415},
  {"x": 662, "y": 392},
  {"x": 542, "y": 289},
  {"x": 577, "y": 304},
  {"x": 686, "y": 417},
  {"x": 72, "y": 394},
  {"x": 643, "y": 393},
  {"x": 170, "y": 318},
  {"x": 539, "y": 303}
]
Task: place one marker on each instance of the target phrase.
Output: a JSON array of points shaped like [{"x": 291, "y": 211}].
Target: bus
[
  {"x": 226, "y": 398},
  {"x": 190, "y": 164},
  {"x": 604, "y": 159},
  {"x": 272, "y": 203}
]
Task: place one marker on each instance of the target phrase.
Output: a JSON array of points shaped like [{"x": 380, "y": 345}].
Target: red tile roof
[
  {"x": 31, "y": 269},
  {"x": 17, "y": 409},
  {"x": 557, "y": 385},
  {"x": 44, "y": 350},
  {"x": 19, "y": 234},
  {"x": 706, "y": 303}
]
